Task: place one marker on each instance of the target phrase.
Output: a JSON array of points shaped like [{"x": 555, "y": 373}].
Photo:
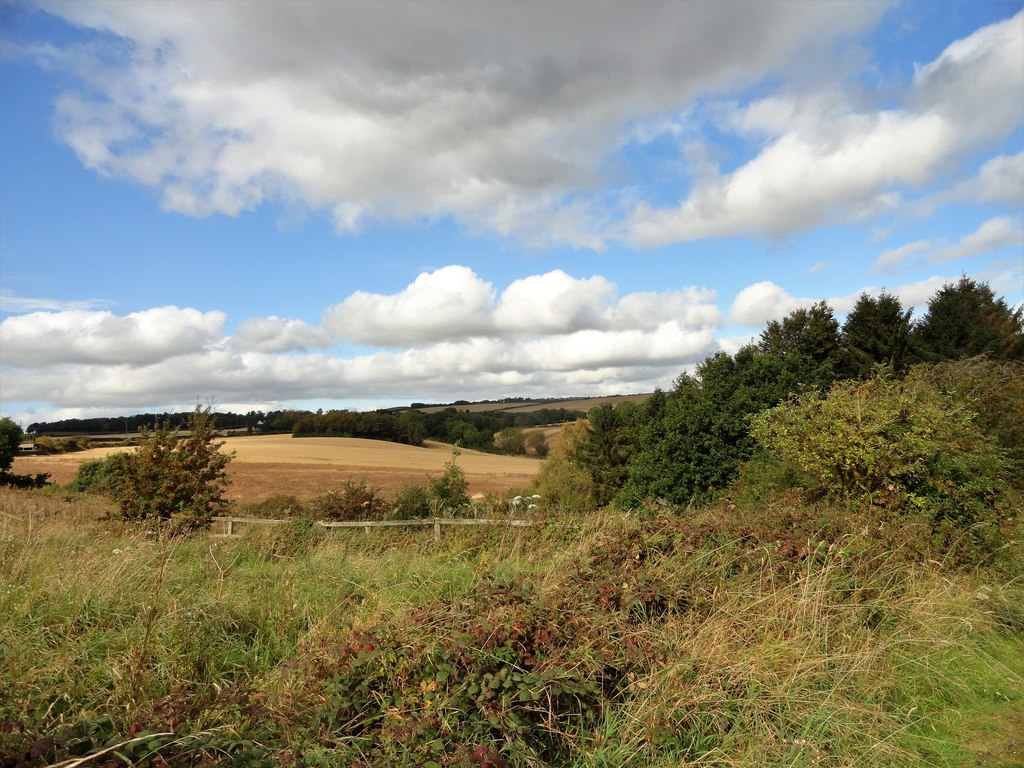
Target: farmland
[{"x": 266, "y": 465}]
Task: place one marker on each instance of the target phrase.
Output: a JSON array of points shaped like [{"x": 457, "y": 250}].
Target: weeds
[{"x": 740, "y": 637}]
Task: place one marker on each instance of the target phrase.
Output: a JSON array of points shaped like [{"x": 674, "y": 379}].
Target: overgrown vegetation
[
  {"x": 777, "y": 636},
  {"x": 901, "y": 449}
]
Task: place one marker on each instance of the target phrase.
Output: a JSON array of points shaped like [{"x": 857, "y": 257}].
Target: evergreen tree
[
  {"x": 877, "y": 331},
  {"x": 966, "y": 319},
  {"x": 609, "y": 440},
  {"x": 170, "y": 477}
]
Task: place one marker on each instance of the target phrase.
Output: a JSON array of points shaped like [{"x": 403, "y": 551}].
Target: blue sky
[{"x": 367, "y": 204}]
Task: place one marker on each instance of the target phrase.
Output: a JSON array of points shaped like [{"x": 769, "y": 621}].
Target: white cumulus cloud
[
  {"x": 826, "y": 162},
  {"x": 278, "y": 334},
  {"x": 1001, "y": 180},
  {"x": 451, "y": 301},
  {"x": 82, "y": 336},
  {"x": 762, "y": 302},
  {"x": 553, "y": 302}
]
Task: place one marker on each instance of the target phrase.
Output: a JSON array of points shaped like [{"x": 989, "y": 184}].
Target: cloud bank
[{"x": 448, "y": 333}]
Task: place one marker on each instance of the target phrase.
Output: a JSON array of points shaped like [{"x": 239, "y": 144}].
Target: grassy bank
[{"x": 605, "y": 641}]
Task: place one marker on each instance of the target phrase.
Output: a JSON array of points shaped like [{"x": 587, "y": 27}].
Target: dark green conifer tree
[
  {"x": 965, "y": 319},
  {"x": 876, "y": 332}
]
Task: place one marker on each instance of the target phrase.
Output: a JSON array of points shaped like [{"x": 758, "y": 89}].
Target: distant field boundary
[
  {"x": 582, "y": 404},
  {"x": 367, "y": 525}
]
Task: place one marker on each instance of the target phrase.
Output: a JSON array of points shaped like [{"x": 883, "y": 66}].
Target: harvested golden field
[{"x": 269, "y": 464}]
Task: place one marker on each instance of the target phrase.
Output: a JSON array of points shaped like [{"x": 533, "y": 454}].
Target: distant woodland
[{"x": 408, "y": 426}]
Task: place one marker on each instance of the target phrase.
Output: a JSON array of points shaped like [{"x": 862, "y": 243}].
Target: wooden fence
[{"x": 368, "y": 525}]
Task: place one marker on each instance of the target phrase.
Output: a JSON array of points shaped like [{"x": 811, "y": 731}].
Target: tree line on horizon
[
  {"x": 257, "y": 422},
  {"x": 469, "y": 429},
  {"x": 475, "y": 430}
]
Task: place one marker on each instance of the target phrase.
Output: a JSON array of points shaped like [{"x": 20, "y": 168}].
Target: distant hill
[{"x": 526, "y": 405}]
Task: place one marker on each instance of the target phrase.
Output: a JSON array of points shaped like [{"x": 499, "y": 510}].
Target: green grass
[{"x": 610, "y": 641}]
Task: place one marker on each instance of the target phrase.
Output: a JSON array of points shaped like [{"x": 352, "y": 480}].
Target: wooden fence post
[{"x": 437, "y": 529}]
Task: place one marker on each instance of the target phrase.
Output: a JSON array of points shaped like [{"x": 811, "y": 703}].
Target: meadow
[{"x": 775, "y": 636}]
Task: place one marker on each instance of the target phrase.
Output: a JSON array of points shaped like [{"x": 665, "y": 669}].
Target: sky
[{"x": 265, "y": 205}]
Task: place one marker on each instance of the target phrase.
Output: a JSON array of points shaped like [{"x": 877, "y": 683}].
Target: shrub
[
  {"x": 169, "y": 478},
  {"x": 14, "y": 480},
  {"x": 446, "y": 494},
  {"x": 449, "y": 491},
  {"x": 411, "y": 502},
  {"x": 10, "y": 438},
  {"x": 537, "y": 442},
  {"x": 99, "y": 475},
  {"x": 994, "y": 391},
  {"x": 50, "y": 445},
  {"x": 902, "y": 446},
  {"x": 355, "y": 500},
  {"x": 511, "y": 440}
]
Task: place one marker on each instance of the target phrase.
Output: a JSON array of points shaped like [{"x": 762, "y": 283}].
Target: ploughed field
[{"x": 269, "y": 464}]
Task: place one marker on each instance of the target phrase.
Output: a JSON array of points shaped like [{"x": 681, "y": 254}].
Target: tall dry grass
[{"x": 714, "y": 651}]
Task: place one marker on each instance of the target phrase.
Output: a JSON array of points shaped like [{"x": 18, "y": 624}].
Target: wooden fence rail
[{"x": 367, "y": 525}]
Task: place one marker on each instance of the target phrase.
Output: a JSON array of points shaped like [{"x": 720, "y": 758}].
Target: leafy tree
[
  {"x": 610, "y": 438},
  {"x": 10, "y": 438},
  {"x": 172, "y": 477},
  {"x": 702, "y": 437},
  {"x": 876, "y": 332},
  {"x": 966, "y": 319},
  {"x": 695, "y": 446},
  {"x": 537, "y": 442},
  {"x": 511, "y": 440}
]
